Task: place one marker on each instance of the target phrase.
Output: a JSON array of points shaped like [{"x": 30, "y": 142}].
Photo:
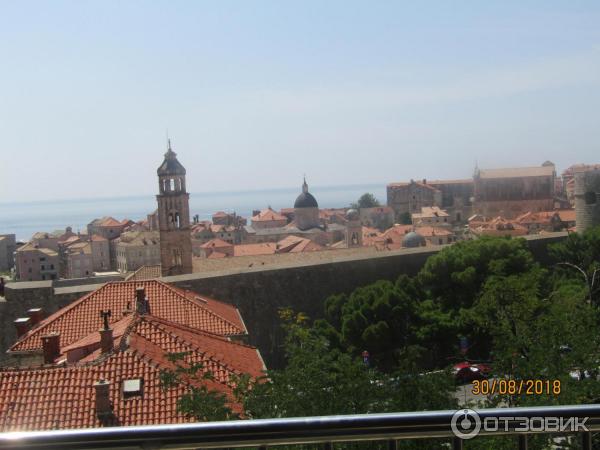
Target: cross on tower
[{"x": 105, "y": 315}]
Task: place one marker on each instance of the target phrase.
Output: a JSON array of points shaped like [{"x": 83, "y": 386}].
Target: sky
[{"x": 254, "y": 94}]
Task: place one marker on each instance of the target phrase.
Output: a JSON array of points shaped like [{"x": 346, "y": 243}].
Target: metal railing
[{"x": 304, "y": 430}]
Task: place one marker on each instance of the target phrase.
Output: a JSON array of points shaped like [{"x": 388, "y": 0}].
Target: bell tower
[{"x": 173, "y": 217}]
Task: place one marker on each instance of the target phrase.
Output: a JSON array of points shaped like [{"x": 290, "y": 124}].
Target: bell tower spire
[{"x": 173, "y": 216}]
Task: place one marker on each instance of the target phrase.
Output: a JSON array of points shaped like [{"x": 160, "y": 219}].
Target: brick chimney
[
  {"x": 35, "y": 316},
  {"x": 141, "y": 303},
  {"x": 106, "y": 333},
  {"x": 51, "y": 347},
  {"x": 103, "y": 405},
  {"x": 22, "y": 324}
]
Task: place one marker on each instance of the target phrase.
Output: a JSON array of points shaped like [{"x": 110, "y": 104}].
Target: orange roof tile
[
  {"x": 82, "y": 316},
  {"x": 110, "y": 222},
  {"x": 268, "y": 215},
  {"x": 432, "y": 231},
  {"x": 216, "y": 243},
  {"x": 266, "y": 248},
  {"x": 63, "y": 397},
  {"x": 145, "y": 273},
  {"x": 566, "y": 215}
]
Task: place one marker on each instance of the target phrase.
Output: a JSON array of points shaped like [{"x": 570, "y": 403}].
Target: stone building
[
  {"x": 431, "y": 216},
  {"x": 408, "y": 198},
  {"x": 135, "y": 249},
  {"x": 457, "y": 198},
  {"x": 380, "y": 217},
  {"x": 587, "y": 198},
  {"x": 35, "y": 263},
  {"x": 267, "y": 218},
  {"x": 8, "y": 247},
  {"x": 79, "y": 262},
  {"x": 107, "y": 227},
  {"x": 514, "y": 191},
  {"x": 174, "y": 217}
]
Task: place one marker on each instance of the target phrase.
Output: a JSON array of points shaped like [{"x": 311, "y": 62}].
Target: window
[
  {"x": 51, "y": 266},
  {"x": 43, "y": 267},
  {"x": 42, "y": 259},
  {"x": 590, "y": 198}
]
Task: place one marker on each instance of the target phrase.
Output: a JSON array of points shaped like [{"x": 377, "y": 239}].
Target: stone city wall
[{"x": 258, "y": 292}]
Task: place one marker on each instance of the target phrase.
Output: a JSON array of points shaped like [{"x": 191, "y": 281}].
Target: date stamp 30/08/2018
[{"x": 516, "y": 387}]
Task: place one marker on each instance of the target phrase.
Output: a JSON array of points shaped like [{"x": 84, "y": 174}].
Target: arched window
[
  {"x": 590, "y": 198},
  {"x": 177, "y": 223},
  {"x": 172, "y": 184}
]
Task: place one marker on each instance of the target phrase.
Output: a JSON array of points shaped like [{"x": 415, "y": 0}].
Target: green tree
[
  {"x": 578, "y": 257},
  {"x": 405, "y": 218},
  {"x": 198, "y": 401},
  {"x": 367, "y": 200},
  {"x": 321, "y": 380},
  {"x": 381, "y": 318}
]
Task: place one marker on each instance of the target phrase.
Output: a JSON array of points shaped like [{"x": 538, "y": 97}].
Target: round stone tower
[
  {"x": 587, "y": 199},
  {"x": 353, "y": 229}
]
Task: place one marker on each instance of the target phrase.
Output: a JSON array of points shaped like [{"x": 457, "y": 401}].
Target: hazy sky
[{"x": 256, "y": 93}]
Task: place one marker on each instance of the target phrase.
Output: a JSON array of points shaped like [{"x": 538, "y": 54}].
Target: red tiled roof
[
  {"x": 110, "y": 222},
  {"x": 296, "y": 244},
  {"x": 82, "y": 316},
  {"x": 266, "y": 248},
  {"x": 216, "y": 255},
  {"x": 268, "y": 215},
  {"x": 517, "y": 172},
  {"x": 432, "y": 231},
  {"x": 98, "y": 238},
  {"x": 566, "y": 215},
  {"x": 216, "y": 243},
  {"x": 220, "y": 214},
  {"x": 145, "y": 273},
  {"x": 63, "y": 397}
]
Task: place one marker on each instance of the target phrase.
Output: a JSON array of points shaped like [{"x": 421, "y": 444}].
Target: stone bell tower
[{"x": 173, "y": 217}]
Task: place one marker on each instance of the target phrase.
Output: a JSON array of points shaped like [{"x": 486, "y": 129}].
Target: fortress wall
[{"x": 258, "y": 292}]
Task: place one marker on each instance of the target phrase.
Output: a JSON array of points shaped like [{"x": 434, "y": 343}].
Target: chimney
[
  {"x": 141, "y": 302},
  {"x": 51, "y": 347},
  {"x": 35, "y": 316},
  {"x": 103, "y": 406},
  {"x": 106, "y": 334},
  {"x": 22, "y": 325}
]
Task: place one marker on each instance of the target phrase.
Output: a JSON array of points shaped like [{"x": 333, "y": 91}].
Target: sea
[{"x": 26, "y": 218}]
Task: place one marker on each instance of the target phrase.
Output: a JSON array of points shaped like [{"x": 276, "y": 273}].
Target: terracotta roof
[
  {"x": 416, "y": 183},
  {"x": 430, "y": 211},
  {"x": 145, "y": 273},
  {"x": 110, "y": 222},
  {"x": 296, "y": 244},
  {"x": 517, "y": 172},
  {"x": 438, "y": 182},
  {"x": 216, "y": 243},
  {"x": 82, "y": 316},
  {"x": 216, "y": 255},
  {"x": 566, "y": 215},
  {"x": 542, "y": 217},
  {"x": 266, "y": 248},
  {"x": 268, "y": 215},
  {"x": 499, "y": 226},
  {"x": 98, "y": 238},
  {"x": 579, "y": 167},
  {"x": 63, "y": 397},
  {"x": 432, "y": 231},
  {"x": 220, "y": 214},
  {"x": 139, "y": 238}
]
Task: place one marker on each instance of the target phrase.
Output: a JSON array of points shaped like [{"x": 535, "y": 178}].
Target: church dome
[
  {"x": 170, "y": 165},
  {"x": 352, "y": 214},
  {"x": 305, "y": 200},
  {"x": 412, "y": 240}
]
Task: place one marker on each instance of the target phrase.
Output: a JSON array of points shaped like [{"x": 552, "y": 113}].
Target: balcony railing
[{"x": 325, "y": 430}]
